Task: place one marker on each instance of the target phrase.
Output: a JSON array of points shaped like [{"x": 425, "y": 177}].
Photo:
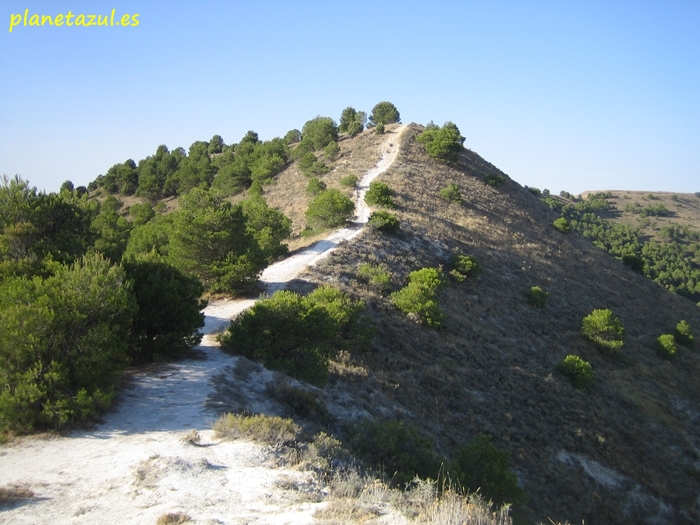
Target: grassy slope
[{"x": 491, "y": 368}]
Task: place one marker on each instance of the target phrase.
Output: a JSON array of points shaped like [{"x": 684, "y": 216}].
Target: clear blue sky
[{"x": 573, "y": 95}]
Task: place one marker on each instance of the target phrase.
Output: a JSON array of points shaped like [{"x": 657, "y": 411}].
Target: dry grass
[
  {"x": 271, "y": 430},
  {"x": 10, "y": 493},
  {"x": 174, "y": 518},
  {"x": 192, "y": 437}
]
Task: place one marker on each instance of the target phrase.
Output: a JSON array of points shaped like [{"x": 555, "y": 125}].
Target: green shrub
[
  {"x": 379, "y": 130},
  {"x": 682, "y": 333},
  {"x": 329, "y": 209},
  {"x": 604, "y": 329},
  {"x": 419, "y": 296},
  {"x": 451, "y": 193},
  {"x": 462, "y": 266},
  {"x": 376, "y": 275},
  {"x": 308, "y": 160},
  {"x": 315, "y": 186},
  {"x": 479, "y": 465},
  {"x": 272, "y": 430},
  {"x": 443, "y": 144},
  {"x": 349, "y": 181},
  {"x": 379, "y": 194},
  {"x": 301, "y": 402},
  {"x": 562, "y": 225},
  {"x": 395, "y": 448},
  {"x": 536, "y": 296},
  {"x": 331, "y": 151},
  {"x": 296, "y": 334},
  {"x": 666, "y": 346},
  {"x": 494, "y": 179},
  {"x": 383, "y": 221},
  {"x": 579, "y": 372}
]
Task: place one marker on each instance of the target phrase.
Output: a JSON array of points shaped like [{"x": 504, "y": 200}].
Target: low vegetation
[
  {"x": 451, "y": 193},
  {"x": 682, "y": 333},
  {"x": 349, "y": 181},
  {"x": 578, "y": 371},
  {"x": 536, "y": 296},
  {"x": 666, "y": 346},
  {"x": 562, "y": 225},
  {"x": 9, "y": 494},
  {"x": 271, "y": 430},
  {"x": 604, "y": 329},
  {"x": 384, "y": 222},
  {"x": 419, "y": 297},
  {"x": 376, "y": 275},
  {"x": 379, "y": 194},
  {"x": 297, "y": 334},
  {"x": 442, "y": 143},
  {"x": 461, "y": 266}
]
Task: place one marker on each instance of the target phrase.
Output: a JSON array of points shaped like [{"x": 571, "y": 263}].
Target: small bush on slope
[
  {"x": 682, "y": 333},
  {"x": 383, "y": 221},
  {"x": 604, "y": 329},
  {"x": 419, "y": 296},
  {"x": 272, "y": 430},
  {"x": 443, "y": 144},
  {"x": 451, "y": 193},
  {"x": 579, "y": 372},
  {"x": 379, "y": 194},
  {"x": 666, "y": 346},
  {"x": 296, "y": 334},
  {"x": 463, "y": 266},
  {"x": 376, "y": 275},
  {"x": 479, "y": 465},
  {"x": 349, "y": 181},
  {"x": 536, "y": 296}
]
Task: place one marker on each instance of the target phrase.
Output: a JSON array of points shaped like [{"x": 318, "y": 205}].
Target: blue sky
[{"x": 561, "y": 95}]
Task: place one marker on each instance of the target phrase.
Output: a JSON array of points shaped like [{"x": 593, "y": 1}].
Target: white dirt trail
[{"x": 135, "y": 467}]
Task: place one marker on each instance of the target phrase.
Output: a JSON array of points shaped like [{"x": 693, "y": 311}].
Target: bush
[
  {"x": 536, "y": 296},
  {"x": 301, "y": 402},
  {"x": 493, "y": 179},
  {"x": 296, "y": 334},
  {"x": 383, "y": 221},
  {"x": 379, "y": 130},
  {"x": 396, "y": 449},
  {"x": 562, "y": 225},
  {"x": 315, "y": 186},
  {"x": 463, "y": 265},
  {"x": 349, "y": 181},
  {"x": 579, "y": 372},
  {"x": 376, "y": 275},
  {"x": 352, "y": 121},
  {"x": 682, "y": 333},
  {"x": 479, "y": 465},
  {"x": 666, "y": 346},
  {"x": 419, "y": 296},
  {"x": 379, "y": 194},
  {"x": 271, "y": 430},
  {"x": 329, "y": 209},
  {"x": 444, "y": 143},
  {"x": 331, "y": 151},
  {"x": 604, "y": 329},
  {"x": 451, "y": 193}
]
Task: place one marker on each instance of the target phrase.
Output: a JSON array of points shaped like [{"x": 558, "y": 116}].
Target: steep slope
[{"x": 625, "y": 452}]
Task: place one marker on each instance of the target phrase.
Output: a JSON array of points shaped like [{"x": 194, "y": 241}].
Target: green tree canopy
[
  {"x": 319, "y": 132},
  {"x": 329, "y": 209},
  {"x": 384, "y": 112},
  {"x": 443, "y": 143},
  {"x": 211, "y": 241},
  {"x": 352, "y": 121}
]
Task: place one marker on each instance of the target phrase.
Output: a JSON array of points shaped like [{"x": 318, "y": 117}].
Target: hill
[{"x": 623, "y": 452}]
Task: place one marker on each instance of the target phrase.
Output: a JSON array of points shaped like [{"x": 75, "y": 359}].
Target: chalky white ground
[{"x": 135, "y": 467}]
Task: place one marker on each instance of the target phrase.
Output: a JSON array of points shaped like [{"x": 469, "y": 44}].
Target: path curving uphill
[
  {"x": 135, "y": 466},
  {"x": 278, "y": 275}
]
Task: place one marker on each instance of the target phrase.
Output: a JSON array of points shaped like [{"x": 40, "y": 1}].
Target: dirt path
[{"x": 135, "y": 467}]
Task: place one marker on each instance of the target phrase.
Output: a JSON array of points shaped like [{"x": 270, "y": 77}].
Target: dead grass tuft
[
  {"x": 11, "y": 493},
  {"x": 272, "y": 430},
  {"x": 174, "y": 518}
]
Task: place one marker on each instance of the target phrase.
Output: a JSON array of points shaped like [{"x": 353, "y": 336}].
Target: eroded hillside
[{"x": 628, "y": 450}]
